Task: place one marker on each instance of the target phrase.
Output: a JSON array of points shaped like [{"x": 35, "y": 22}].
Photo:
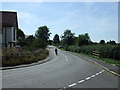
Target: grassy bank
[
  {"x": 13, "y": 58},
  {"x": 110, "y": 61}
]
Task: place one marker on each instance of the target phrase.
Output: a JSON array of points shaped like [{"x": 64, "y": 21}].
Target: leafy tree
[
  {"x": 42, "y": 36},
  {"x": 50, "y": 42},
  {"x": 30, "y": 38},
  {"x": 38, "y": 43},
  {"x": 21, "y": 38},
  {"x": 83, "y": 39},
  {"x": 20, "y": 34},
  {"x": 56, "y": 39},
  {"x": 111, "y": 42},
  {"x": 68, "y": 37},
  {"x": 102, "y": 41}
]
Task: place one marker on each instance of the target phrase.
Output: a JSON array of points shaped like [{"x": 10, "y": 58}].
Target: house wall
[
  {"x": 8, "y": 35},
  {"x": 0, "y": 41}
]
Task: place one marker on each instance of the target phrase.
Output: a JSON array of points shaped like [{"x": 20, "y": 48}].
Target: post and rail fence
[{"x": 96, "y": 54}]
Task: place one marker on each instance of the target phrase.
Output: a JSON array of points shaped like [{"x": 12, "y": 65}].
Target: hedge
[{"x": 105, "y": 50}]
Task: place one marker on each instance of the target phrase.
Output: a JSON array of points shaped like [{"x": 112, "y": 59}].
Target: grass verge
[{"x": 110, "y": 61}]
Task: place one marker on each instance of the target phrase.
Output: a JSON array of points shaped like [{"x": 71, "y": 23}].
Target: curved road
[{"x": 62, "y": 71}]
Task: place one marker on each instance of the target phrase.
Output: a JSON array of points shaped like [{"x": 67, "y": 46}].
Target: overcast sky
[{"x": 99, "y": 19}]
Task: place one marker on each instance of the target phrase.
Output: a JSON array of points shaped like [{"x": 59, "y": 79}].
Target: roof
[
  {"x": 26, "y": 36},
  {"x": 9, "y": 19}
]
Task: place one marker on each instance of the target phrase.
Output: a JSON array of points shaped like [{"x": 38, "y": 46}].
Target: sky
[{"x": 98, "y": 19}]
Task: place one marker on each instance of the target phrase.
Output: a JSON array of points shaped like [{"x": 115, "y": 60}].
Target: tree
[
  {"x": 42, "y": 36},
  {"x": 83, "y": 39},
  {"x": 20, "y": 34},
  {"x": 102, "y": 41},
  {"x": 68, "y": 37},
  {"x": 111, "y": 42},
  {"x": 50, "y": 42},
  {"x": 56, "y": 39},
  {"x": 21, "y": 38},
  {"x": 30, "y": 38}
]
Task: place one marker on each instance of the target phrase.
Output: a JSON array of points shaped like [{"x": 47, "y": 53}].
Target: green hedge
[{"x": 106, "y": 50}]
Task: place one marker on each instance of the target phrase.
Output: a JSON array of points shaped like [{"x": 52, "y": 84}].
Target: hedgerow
[{"x": 105, "y": 50}]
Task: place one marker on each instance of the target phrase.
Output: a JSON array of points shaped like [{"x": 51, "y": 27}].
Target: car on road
[{"x": 60, "y": 47}]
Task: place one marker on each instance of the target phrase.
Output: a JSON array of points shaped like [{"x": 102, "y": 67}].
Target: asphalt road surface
[{"x": 62, "y": 71}]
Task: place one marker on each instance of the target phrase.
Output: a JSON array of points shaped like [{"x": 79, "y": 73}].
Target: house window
[{"x": 14, "y": 34}]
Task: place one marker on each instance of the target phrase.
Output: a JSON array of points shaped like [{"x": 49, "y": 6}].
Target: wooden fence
[{"x": 96, "y": 54}]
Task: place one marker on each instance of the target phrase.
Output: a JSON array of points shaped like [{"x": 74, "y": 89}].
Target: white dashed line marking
[
  {"x": 102, "y": 70},
  {"x": 66, "y": 58},
  {"x": 97, "y": 74},
  {"x": 64, "y": 87},
  {"x": 88, "y": 78},
  {"x": 93, "y": 76},
  {"x": 72, "y": 85},
  {"x": 81, "y": 81}
]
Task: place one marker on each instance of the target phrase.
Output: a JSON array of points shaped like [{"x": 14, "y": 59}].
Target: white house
[{"x": 9, "y": 28}]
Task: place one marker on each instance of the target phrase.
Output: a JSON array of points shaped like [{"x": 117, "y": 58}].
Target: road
[{"x": 62, "y": 71}]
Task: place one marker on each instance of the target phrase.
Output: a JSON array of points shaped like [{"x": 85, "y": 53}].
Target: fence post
[{"x": 96, "y": 54}]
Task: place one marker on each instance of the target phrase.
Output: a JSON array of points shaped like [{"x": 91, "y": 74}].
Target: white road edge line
[
  {"x": 81, "y": 81},
  {"x": 72, "y": 85}
]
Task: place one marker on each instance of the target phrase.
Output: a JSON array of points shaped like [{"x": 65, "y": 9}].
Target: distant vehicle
[
  {"x": 17, "y": 46},
  {"x": 60, "y": 47}
]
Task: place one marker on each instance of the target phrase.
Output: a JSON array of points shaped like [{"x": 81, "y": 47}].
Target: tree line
[{"x": 68, "y": 38}]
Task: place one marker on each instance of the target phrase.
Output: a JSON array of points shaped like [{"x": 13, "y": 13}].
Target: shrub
[{"x": 12, "y": 58}]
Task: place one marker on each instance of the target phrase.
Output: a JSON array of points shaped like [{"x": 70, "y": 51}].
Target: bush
[{"x": 12, "y": 58}]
